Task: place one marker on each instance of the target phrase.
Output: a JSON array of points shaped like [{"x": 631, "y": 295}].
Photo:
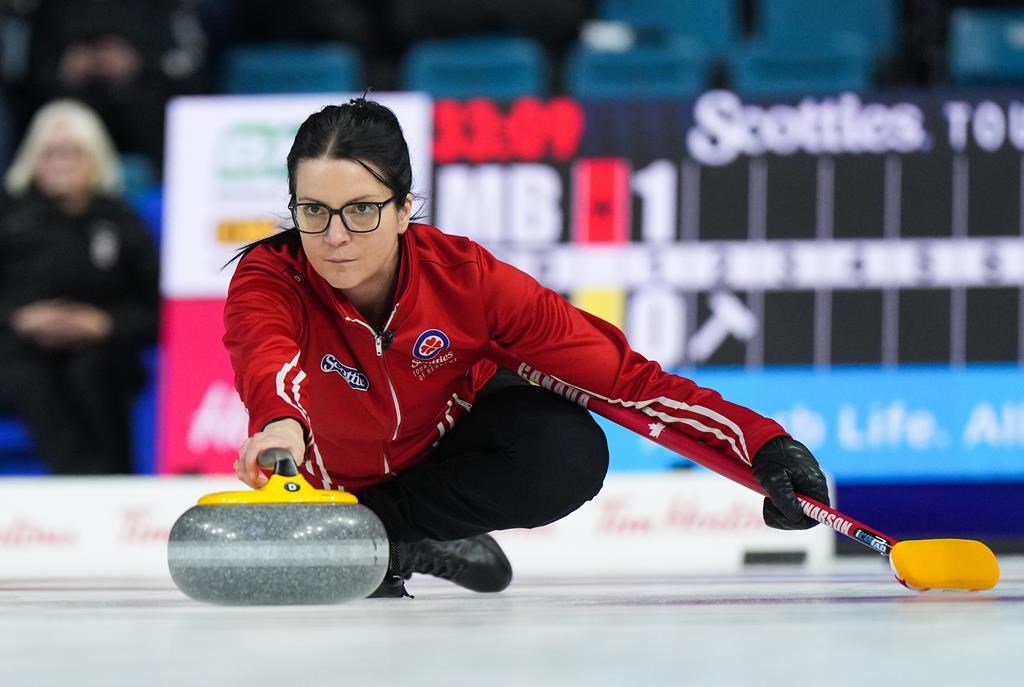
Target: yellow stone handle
[{"x": 286, "y": 485}]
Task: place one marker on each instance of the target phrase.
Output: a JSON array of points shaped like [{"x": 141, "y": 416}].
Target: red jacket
[{"x": 373, "y": 407}]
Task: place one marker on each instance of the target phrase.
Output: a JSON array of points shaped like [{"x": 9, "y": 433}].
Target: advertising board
[{"x": 852, "y": 265}]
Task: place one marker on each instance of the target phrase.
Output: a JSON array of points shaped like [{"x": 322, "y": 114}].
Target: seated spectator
[
  {"x": 79, "y": 294},
  {"x": 124, "y": 58}
]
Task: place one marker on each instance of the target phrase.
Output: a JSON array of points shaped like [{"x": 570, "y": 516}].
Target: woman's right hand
[{"x": 287, "y": 434}]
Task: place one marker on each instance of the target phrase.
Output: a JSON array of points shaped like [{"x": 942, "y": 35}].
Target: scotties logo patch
[
  {"x": 356, "y": 379},
  {"x": 430, "y": 344},
  {"x": 431, "y": 352}
]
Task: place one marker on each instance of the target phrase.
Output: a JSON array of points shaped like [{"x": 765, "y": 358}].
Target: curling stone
[{"x": 285, "y": 543}]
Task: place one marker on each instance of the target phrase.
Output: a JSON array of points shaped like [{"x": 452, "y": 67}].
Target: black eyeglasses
[{"x": 360, "y": 217}]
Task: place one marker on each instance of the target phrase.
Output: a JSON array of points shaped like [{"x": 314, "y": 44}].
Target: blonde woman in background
[{"x": 78, "y": 294}]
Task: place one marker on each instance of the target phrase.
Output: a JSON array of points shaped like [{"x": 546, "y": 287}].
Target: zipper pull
[{"x": 383, "y": 340}]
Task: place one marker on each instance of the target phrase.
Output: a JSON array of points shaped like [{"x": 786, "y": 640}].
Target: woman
[
  {"x": 361, "y": 341},
  {"x": 78, "y": 294}
]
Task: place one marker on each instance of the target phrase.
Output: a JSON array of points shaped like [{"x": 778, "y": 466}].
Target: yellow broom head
[{"x": 962, "y": 564}]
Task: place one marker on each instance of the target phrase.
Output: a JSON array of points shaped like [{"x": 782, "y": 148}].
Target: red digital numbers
[{"x": 531, "y": 130}]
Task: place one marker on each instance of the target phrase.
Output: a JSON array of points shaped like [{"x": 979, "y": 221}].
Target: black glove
[{"x": 784, "y": 466}]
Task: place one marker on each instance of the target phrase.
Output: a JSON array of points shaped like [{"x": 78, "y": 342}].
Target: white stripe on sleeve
[
  {"x": 294, "y": 401},
  {"x": 737, "y": 440}
]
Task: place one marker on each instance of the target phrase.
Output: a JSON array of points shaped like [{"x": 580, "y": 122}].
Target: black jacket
[{"x": 105, "y": 257}]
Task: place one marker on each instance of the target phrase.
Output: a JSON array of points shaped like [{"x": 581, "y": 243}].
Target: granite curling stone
[{"x": 285, "y": 543}]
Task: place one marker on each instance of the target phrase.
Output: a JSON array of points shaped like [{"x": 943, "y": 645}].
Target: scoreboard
[
  {"x": 873, "y": 246},
  {"x": 824, "y": 231}
]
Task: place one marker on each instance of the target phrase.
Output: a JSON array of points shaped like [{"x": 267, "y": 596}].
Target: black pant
[
  {"x": 76, "y": 404},
  {"x": 523, "y": 457}
]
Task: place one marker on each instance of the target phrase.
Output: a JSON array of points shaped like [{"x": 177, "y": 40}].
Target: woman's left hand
[{"x": 784, "y": 467}]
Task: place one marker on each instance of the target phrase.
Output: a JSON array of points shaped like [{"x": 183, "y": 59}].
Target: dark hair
[{"x": 361, "y": 130}]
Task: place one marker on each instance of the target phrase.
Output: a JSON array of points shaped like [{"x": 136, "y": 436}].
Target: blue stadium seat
[
  {"x": 285, "y": 68},
  {"x": 6, "y": 152},
  {"x": 17, "y": 455},
  {"x": 144, "y": 415},
  {"x": 487, "y": 66},
  {"x": 820, "y": 22},
  {"x": 986, "y": 46},
  {"x": 139, "y": 175},
  {"x": 13, "y": 436},
  {"x": 677, "y": 68},
  {"x": 761, "y": 68},
  {"x": 150, "y": 206},
  {"x": 715, "y": 24}
]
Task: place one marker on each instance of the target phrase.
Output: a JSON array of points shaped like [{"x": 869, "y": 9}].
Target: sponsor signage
[
  {"x": 356, "y": 379},
  {"x": 666, "y": 524},
  {"x": 227, "y": 177},
  {"x": 867, "y": 424},
  {"x": 723, "y": 231},
  {"x": 851, "y": 264}
]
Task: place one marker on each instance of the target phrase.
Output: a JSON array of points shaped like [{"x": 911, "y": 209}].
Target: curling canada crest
[{"x": 430, "y": 344}]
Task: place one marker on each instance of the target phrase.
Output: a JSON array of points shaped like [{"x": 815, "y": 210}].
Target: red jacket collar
[{"x": 405, "y": 294}]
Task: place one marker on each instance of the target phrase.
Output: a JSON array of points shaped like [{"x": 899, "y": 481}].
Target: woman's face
[
  {"x": 65, "y": 168},
  {"x": 363, "y": 264}
]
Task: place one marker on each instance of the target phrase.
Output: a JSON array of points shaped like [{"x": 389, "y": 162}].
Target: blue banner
[{"x": 866, "y": 424}]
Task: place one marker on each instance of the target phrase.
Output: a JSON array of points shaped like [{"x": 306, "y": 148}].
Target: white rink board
[
  {"x": 56, "y": 527},
  {"x": 660, "y": 524},
  {"x": 642, "y": 524}
]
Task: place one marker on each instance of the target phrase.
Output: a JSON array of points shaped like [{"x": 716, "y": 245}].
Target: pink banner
[{"x": 202, "y": 421}]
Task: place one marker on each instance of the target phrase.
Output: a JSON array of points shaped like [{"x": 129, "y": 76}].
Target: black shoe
[
  {"x": 393, "y": 587},
  {"x": 393, "y": 584},
  {"x": 476, "y": 563}
]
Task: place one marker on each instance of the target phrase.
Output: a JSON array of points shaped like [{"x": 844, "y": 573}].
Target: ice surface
[{"x": 776, "y": 626}]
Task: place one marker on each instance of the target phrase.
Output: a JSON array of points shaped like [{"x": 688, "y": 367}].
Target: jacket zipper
[{"x": 378, "y": 342}]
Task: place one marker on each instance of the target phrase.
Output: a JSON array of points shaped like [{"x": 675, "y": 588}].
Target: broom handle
[{"x": 710, "y": 458}]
